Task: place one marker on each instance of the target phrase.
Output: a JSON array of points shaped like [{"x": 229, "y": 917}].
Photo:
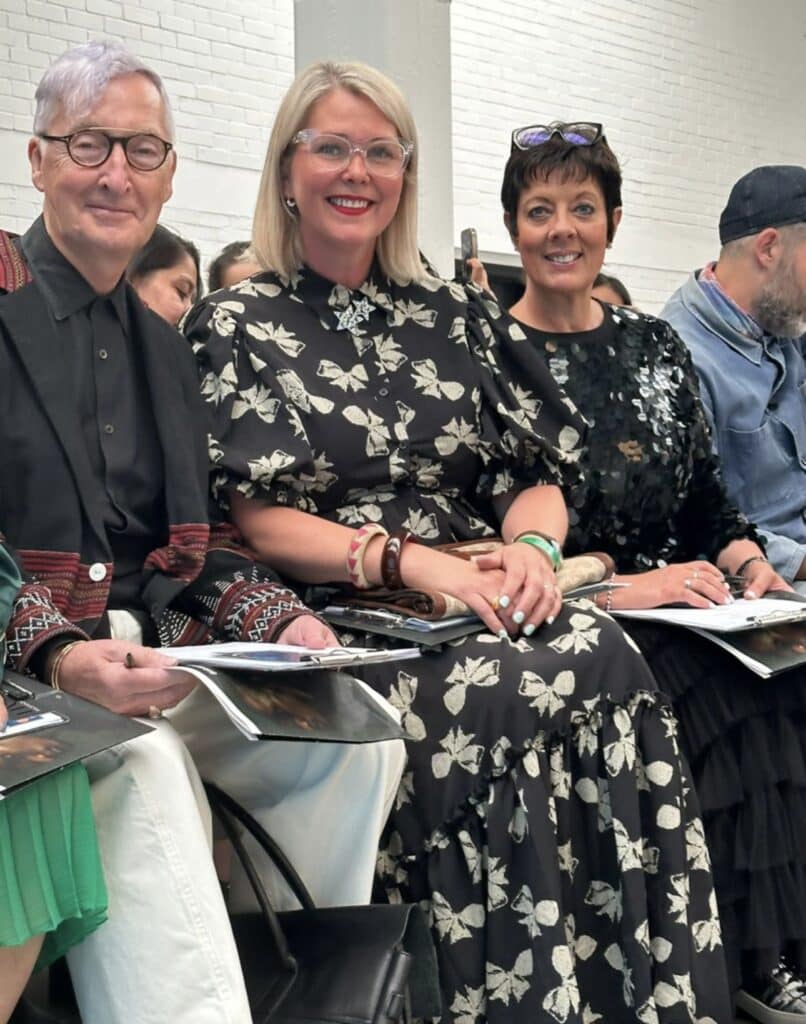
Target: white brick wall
[
  {"x": 692, "y": 94},
  {"x": 226, "y": 63}
]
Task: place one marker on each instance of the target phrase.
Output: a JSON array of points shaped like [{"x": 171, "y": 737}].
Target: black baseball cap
[{"x": 766, "y": 197}]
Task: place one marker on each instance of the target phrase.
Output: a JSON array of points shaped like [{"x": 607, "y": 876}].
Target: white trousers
[{"x": 166, "y": 954}]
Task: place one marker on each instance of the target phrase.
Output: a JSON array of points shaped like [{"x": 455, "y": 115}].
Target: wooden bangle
[
  {"x": 390, "y": 559},
  {"x": 356, "y": 551}
]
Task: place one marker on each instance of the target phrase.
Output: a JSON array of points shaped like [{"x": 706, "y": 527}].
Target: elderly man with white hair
[{"x": 103, "y": 496}]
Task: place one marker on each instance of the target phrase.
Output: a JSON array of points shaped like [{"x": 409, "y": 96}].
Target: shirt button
[
  {"x": 97, "y": 572},
  {"x": 103, "y": 354},
  {"x": 383, "y": 392},
  {"x": 109, "y": 429},
  {"x": 803, "y": 461}
]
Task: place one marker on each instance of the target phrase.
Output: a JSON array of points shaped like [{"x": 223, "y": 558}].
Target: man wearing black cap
[{"x": 743, "y": 319}]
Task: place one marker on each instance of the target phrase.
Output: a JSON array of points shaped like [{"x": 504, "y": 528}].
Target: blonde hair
[{"x": 275, "y": 235}]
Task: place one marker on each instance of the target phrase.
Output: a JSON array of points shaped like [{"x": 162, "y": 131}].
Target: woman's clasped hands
[{"x": 512, "y": 590}]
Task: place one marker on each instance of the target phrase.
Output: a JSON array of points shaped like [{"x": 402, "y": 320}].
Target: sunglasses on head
[{"x": 577, "y": 133}]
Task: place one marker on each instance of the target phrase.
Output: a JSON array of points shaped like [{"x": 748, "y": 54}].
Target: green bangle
[{"x": 548, "y": 547}]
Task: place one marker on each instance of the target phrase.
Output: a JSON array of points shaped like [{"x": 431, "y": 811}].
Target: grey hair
[
  {"x": 77, "y": 79},
  {"x": 791, "y": 235}
]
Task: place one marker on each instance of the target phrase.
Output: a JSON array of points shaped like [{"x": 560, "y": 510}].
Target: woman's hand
[
  {"x": 699, "y": 584},
  {"x": 529, "y": 594},
  {"x": 3, "y": 715},
  {"x": 760, "y": 577},
  {"x": 423, "y": 567}
]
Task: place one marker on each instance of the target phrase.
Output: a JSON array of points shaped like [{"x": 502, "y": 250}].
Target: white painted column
[{"x": 409, "y": 40}]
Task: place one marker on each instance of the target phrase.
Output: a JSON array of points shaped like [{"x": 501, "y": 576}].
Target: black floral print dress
[
  {"x": 651, "y": 494},
  {"x": 544, "y": 821}
]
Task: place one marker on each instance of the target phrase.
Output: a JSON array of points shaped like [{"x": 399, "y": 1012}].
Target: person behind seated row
[
  {"x": 53, "y": 891},
  {"x": 652, "y": 496},
  {"x": 352, "y": 393},
  {"x": 104, "y": 496},
  {"x": 165, "y": 274},
  {"x": 232, "y": 265},
  {"x": 743, "y": 319},
  {"x": 611, "y": 289}
]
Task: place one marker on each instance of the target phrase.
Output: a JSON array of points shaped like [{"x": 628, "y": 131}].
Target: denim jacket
[{"x": 754, "y": 393}]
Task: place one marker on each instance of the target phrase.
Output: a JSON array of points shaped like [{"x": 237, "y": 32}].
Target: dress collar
[
  {"x": 340, "y": 308},
  {"x": 66, "y": 291}
]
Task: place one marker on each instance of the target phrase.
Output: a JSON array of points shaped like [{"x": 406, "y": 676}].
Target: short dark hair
[
  {"x": 608, "y": 281},
  {"x": 571, "y": 163},
  {"x": 228, "y": 256},
  {"x": 163, "y": 250}
]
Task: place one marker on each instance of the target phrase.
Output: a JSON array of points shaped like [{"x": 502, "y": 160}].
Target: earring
[{"x": 290, "y": 203}]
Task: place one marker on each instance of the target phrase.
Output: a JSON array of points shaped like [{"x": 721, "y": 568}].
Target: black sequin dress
[
  {"x": 544, "y": 821},
  {"x": 652, "y": 494}
]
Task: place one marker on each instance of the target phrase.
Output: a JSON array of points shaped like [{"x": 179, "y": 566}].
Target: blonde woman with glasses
[{"x": 359, "y": 418}]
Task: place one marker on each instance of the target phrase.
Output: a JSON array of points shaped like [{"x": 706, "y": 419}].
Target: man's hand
[
  {"x": 98, "y": 670},
  {"x": 308, "y": 631}
]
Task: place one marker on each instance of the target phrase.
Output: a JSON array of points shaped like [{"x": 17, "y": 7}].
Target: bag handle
[{"x": 220, "y": 800}]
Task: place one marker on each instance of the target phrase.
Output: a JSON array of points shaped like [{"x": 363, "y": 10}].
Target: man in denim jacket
[{"x": 743, "y": 319}]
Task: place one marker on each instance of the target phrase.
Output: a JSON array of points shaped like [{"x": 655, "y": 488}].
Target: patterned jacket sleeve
[
  {"x": 35, "y": 620},
  {"x": 233, "y": 598},
  {"x": 708, "y": 520}
]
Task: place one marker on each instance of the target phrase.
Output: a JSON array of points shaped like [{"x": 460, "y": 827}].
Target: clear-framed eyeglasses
[
  {"x": 386, "y": 157},
  {"x": 90, "y": 147}
]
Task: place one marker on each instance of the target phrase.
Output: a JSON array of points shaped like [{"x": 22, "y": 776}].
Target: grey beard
[{"x": 777, "y": 317}]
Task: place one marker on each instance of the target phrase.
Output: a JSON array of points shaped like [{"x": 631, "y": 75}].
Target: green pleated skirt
[{"x": 51, "y": 879}]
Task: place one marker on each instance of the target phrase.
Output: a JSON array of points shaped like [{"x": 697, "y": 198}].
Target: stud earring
[{"x": 290, "y": 203}]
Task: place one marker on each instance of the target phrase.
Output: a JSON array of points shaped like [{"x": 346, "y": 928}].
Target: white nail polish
[{"x": 503, "y": 601}]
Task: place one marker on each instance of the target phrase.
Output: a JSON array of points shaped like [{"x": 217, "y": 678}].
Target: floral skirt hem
[{"x": 567, "y": 880}]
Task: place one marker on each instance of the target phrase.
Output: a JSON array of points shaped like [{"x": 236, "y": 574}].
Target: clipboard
[{"x": 424, "y": 632}]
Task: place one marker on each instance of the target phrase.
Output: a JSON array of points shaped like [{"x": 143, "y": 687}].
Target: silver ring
[
  {"x": 548, "y": 586},
  {"x": 154, "y": 712},
  {"x": 687, "y": 584}
]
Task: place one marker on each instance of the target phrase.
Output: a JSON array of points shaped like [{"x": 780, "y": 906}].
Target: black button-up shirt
[{"x": 105, "y": 380}]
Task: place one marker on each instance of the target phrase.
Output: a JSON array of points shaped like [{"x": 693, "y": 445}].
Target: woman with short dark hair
[{"x": 652, "y": 496}]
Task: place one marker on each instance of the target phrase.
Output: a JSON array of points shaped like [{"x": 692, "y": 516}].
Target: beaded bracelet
[
  {"x": 356, "y": 551},
  {"x": 55, "y": 668},
  {"x": 548, "y": 545},
  {"x": 390, "y": 559},
  {"x": 608, "y": 594}
]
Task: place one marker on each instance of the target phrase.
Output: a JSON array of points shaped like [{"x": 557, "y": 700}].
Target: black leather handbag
[{"x": 336, "y": 965}]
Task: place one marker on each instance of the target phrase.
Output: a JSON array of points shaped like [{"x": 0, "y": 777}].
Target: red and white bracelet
[{"x": 356, "y": 551}]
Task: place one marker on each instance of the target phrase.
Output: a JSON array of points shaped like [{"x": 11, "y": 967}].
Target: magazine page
[
  {"x": 766, "y": 651},
  {"x": 284, "y": 657},
  {"x": 318, "y": 704},
  {"x": 82, "y": 729}
]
